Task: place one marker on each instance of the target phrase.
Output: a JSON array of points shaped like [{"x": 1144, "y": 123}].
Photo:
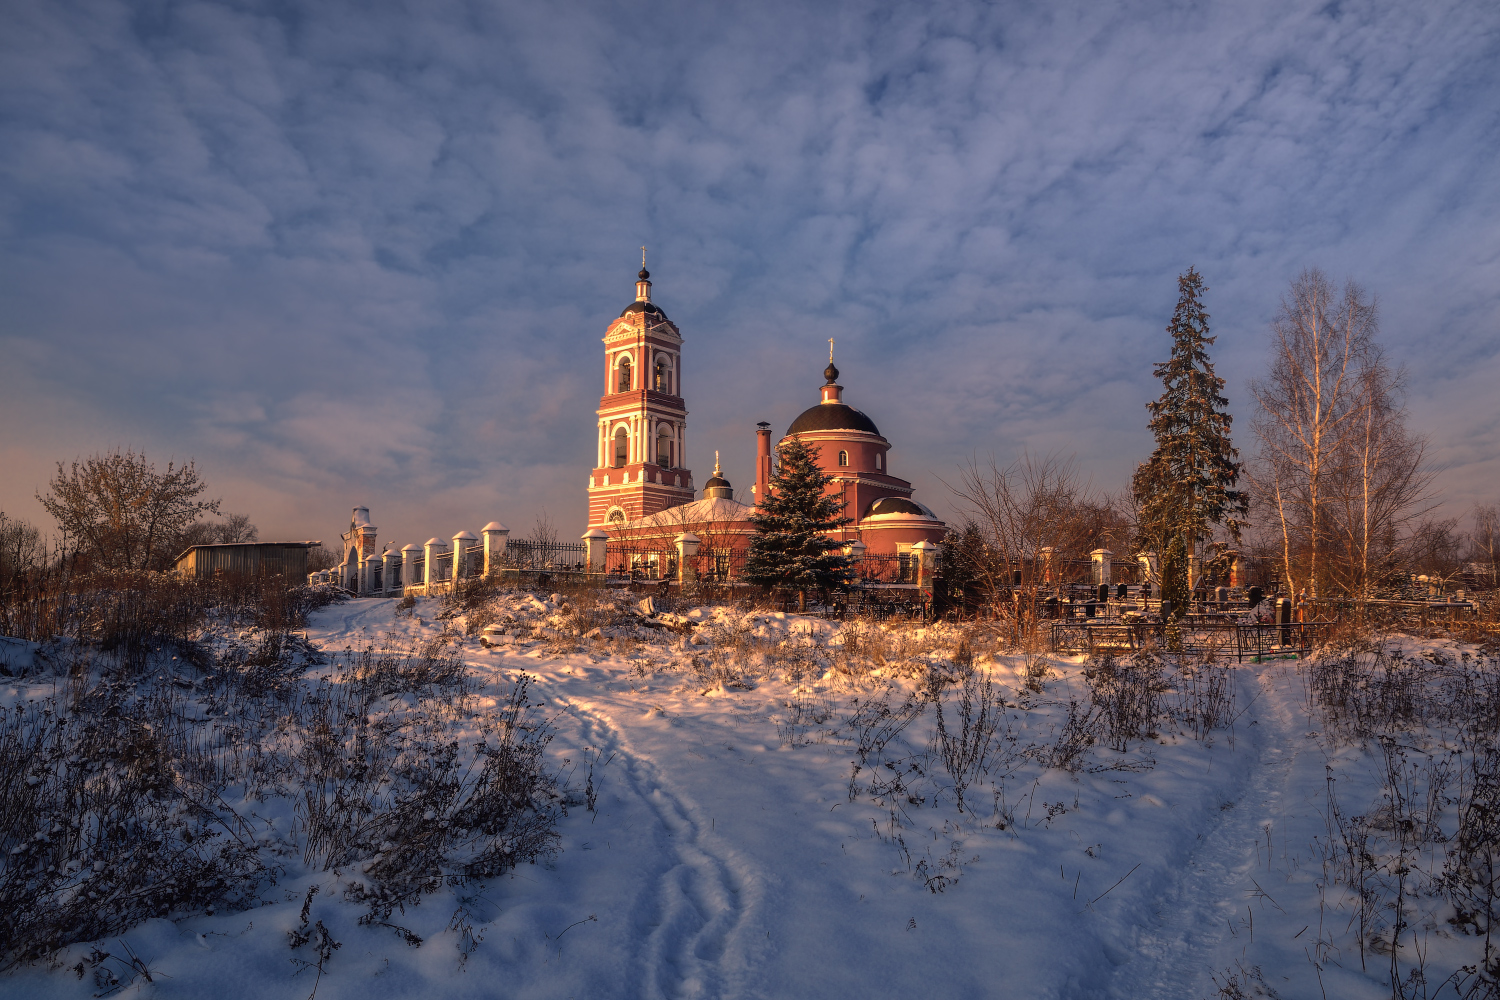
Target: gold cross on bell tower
[
  {"x": 830, "y": 350},
  {"x": 643, "y": 257}
]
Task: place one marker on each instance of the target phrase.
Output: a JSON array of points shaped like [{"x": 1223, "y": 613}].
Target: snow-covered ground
[{"x": 727, "y": 857}]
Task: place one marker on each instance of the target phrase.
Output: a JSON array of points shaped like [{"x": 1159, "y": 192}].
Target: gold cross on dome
[
  {"x": 643, "y": 257},
  {"x": 830, "y": 350}
]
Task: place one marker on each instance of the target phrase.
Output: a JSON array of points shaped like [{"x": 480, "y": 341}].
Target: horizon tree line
[{"x": 1337, "y": 495}]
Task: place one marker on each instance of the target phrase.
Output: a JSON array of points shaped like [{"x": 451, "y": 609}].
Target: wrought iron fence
[
  {"x": 637, "y": 562},
  {"x": 719, "y": 565},
  {"x": 525, "y": 554},
  {"x": 887, "y": 567},
  {"x": 1413, "y": 617},
  {"x": 1205, "y": 637}
]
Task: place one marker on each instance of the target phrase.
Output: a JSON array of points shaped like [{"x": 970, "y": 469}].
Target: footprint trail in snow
[
  {"x": 1179, "y": 949},
  {"x": 691, "y": 918}
]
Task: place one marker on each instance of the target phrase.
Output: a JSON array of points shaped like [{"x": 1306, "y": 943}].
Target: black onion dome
[
  {"x": 645, "y": 275},
  {"x": 645, "y": 307},
  {"x": 831, "y": 373},
  {"x": 832, "y": 417},
  {"x": 898, "y": 505}
]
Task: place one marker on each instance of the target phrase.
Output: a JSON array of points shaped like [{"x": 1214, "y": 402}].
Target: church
[{"x": 641, "y": 491}]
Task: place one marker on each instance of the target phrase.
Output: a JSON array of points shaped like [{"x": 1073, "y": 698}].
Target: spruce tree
[
  {"x": 791, "y": 547},
  {"x": 1186, "y": 487}
]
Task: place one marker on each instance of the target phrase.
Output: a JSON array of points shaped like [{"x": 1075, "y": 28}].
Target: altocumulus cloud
[{"x": 349, "y": 253}]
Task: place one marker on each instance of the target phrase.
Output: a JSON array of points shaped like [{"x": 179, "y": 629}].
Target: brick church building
[{"x": 641, "y": 491}]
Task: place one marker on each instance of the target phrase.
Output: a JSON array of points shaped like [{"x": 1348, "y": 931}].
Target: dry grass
[
  {"x": 139, "y": 790},
  {"x": 1433, "y": 838}
]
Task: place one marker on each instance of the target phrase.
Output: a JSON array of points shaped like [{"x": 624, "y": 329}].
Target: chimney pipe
[{"x": 762, "y": 461}]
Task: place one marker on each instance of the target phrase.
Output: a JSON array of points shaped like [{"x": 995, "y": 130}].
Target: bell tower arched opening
[
  {"x": 622, "y": 448},
  {"x": 664, "y": 447}
]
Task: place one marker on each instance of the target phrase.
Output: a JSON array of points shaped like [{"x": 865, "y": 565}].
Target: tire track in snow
[
  {"x": 700, "y": 897},
  {"x": 1176, "y": 953}
]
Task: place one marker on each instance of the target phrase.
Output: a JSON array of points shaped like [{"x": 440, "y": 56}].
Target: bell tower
[{"x": 640, "y": 468}]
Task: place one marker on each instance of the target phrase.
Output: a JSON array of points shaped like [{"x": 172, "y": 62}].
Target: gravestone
[{"x": 1284, "y": 619}]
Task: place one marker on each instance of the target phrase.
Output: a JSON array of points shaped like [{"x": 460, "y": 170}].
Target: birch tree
[
  {"x": 1382, "y": 486},
  {"x": 1338, "y": 475}
]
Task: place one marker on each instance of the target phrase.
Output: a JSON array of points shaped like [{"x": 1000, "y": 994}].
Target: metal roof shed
[{"x": 246, "y": 559}]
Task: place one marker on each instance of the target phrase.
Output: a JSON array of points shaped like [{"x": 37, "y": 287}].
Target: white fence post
[
  {"x": 1101, "y": 558},
  {"x": 687, "y": 548},
  {"x": 409, "y": 565},
  {"x": 496, "y": 536},
  {"x": 926, "y": 554},
  {"x": 461, "y": 543},
  {"x": 595, "y": 541},
  {"x": 430, "y": 571},
  {"x": 388, "y": 569}
]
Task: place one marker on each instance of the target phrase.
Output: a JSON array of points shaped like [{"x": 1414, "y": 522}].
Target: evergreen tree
[
  {"x": 1187, "y": 485},
  {"x": 791, "y": 547},
  {"x": 970, "y": 565}
]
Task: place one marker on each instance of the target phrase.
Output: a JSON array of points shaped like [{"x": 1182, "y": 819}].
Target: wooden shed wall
[{"x": 247, "y": 560}]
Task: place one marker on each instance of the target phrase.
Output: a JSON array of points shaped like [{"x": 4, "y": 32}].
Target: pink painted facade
[{"x": 641, "y": 492}]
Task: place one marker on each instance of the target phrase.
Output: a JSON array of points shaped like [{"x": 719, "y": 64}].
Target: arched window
[
  {"x": 879, "y": 460},
  {"x": 622, "y": 448},
  {"x": 623, "y": 383},
  {"x": 616, "y": 516},
  {"x": 663, "y": 376},
  {"x": 843, "y": 458},
  {"x": 664, "y": 447}
]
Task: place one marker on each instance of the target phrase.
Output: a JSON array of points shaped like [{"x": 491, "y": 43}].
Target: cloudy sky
[{"x": 347, "y": 253}]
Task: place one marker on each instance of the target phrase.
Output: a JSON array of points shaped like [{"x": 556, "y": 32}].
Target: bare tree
[
  {"x": 321, "y": 557},
  {"x": 1337, "y": 474},
  {"x": 1484, "y": 543},
  {"x": 1435, "y": 547},
  {"x": 1380, "y": 487},
  {"x": 232, "y": 529},
  {"x": 1022, "y": 511},
  {"x": 122, "y": 511},
  {"x": 21, "y": 551},
  {"x": 544, "y": 533}
]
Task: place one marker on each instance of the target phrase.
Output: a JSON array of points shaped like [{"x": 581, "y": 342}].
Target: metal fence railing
[
  {"x": 885, "y": 568},
  {"x": 535, "y": 556},
  {"x": 1216, "y": 638}
]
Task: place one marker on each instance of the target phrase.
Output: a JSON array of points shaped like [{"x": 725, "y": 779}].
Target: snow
[{"x": 725, "y": 857}]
